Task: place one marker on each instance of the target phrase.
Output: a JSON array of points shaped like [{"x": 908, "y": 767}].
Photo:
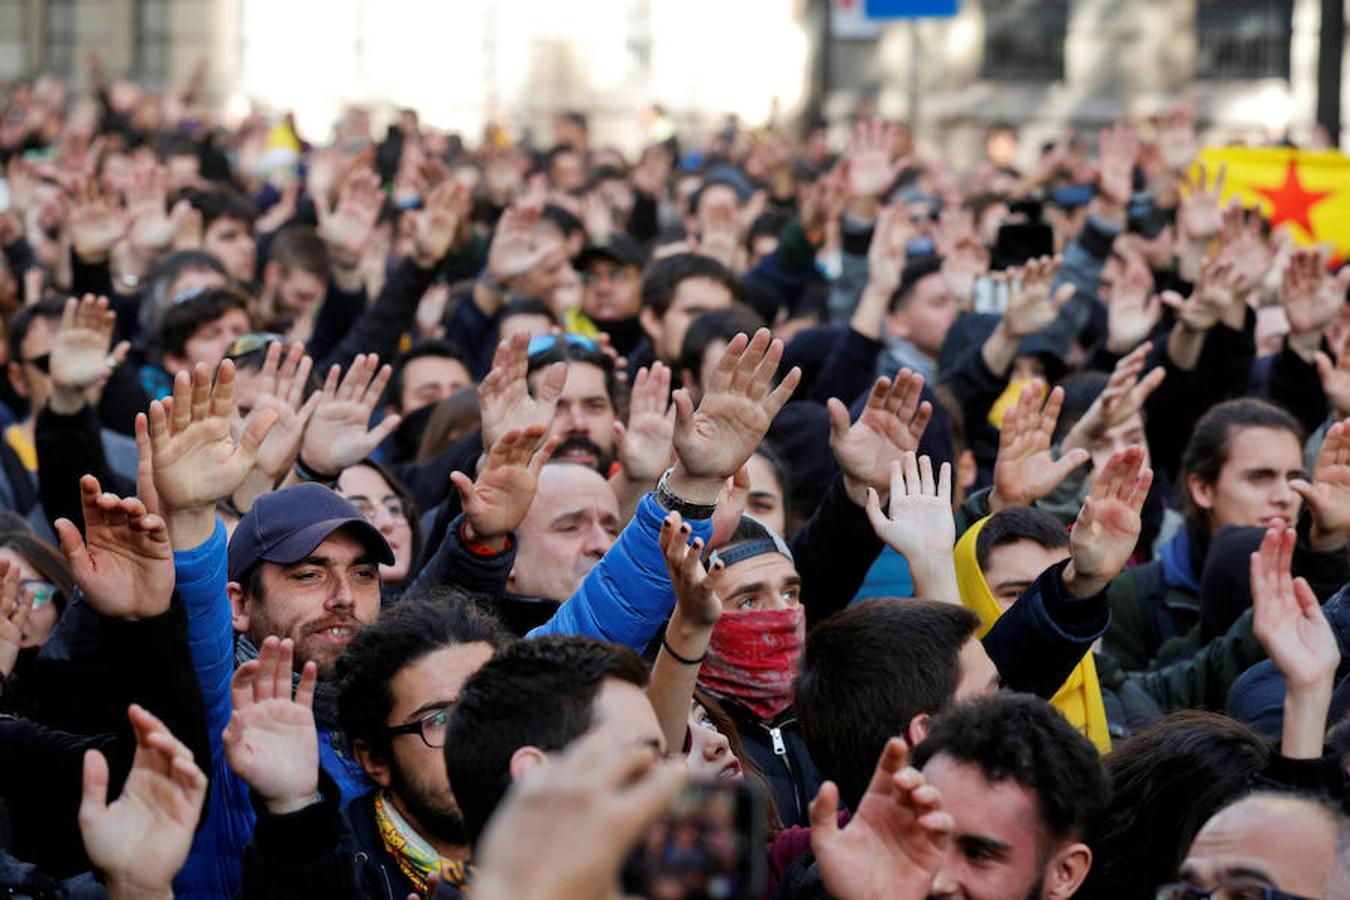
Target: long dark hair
[
  {"x": 727, "y": 728},
  {"x": 1211, "y": 442}
]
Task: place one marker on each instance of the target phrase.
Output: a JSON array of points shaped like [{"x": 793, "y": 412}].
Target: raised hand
[
  {"x": 564, "y": 830},
  {"x": 1328, "y": 496},
  {"x": 1287, "y": 618},
  {"x": 95, "y": 221},
  {"x": 1132, "y": 308},
  {"x": 1335, "y": 378},
  {"x": 347, "y": 229},
  {"x": 270, "y": 741},
  {"x": 196, "y": 461},
  {"x": 124, "y": 563},
  {"x": 919, "y": 518},
  {"x": 894, "y": 845},
  {"x": 823, "y": 202},
  {"x": 504, "y": 399},
  {"x": 1199, "y": 216},
  {"x": 716, "y": 439},
  {"x": 870, "y": 167},
  {"x": 1217, "y": 293},
  {"x": 147, "y": 206},
  {"x": 281, "y": 390},
  {"x": 1108, "y": 525},
  {"x": 496, "y": 503},
  {"x": 437, "y": 223},
  {"x": 515, "y": 248},
  {"x": 1118, "y": 149},
  {"x": 1243, "y": 246},
  {"x": 1312, "y": 298},
  {"x": 696, "y": 600},
  {"x": 13, "y": 616},
  {"x": 892, "y": 423},
  {"x": 1124, "y": 395},
  {"x": 646, "y": 443},
  {"x": 80, "y": 354},
  {"x": 886, "y": 254},
  {"x": 1025, "y": 470},
  {"x": 1031, "y": 305},
  {"x": 730, "y": 507},
  {"x": 338, "y": 434},
  {"x": 141, "y": 840},
  {"x": 1295, "y": 634}
]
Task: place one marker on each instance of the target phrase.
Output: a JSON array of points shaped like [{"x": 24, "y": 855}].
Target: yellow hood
[{"x": 1079, "y": 699}]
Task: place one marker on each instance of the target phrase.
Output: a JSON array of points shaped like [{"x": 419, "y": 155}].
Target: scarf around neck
[{"x": 416, "y": 859}]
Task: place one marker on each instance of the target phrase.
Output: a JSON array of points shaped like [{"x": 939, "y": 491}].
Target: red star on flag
[{"x": 1290, "y": 202}]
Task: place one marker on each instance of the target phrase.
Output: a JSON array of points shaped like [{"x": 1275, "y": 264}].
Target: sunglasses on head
[
  {"x": 249, "y": 344},
  {"x": 542, "y": 343}
]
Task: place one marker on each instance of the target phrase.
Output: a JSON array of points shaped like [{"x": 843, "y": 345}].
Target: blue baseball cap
[{"x": 285, "y": 526}]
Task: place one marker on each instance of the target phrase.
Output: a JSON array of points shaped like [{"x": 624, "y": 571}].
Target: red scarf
[{"x": 753, "y": 659}]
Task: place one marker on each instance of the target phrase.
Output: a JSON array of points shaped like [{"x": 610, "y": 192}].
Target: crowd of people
[{"x": 395, "y": 516}]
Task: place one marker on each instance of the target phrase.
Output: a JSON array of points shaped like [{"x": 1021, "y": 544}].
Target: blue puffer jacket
[
  {"x": 212, "y": 868},
  {"x": 627, "y": 596}
]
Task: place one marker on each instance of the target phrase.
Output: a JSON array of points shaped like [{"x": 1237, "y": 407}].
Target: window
[
  {"x": 1243, "y": 38},
  {"x": 1024, "y": 39},
  {"x": 152, "y": 41},
  {"x": 58, "y": 38}
]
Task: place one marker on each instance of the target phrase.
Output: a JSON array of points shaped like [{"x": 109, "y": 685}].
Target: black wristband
[
  {"x": 305, "y": 473},
  {"x": 684, "y": 660}
]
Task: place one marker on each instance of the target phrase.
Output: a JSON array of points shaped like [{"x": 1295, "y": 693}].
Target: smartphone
[
  {"x": 709, "y": 846},
  {"x": 990, "y": 296}
]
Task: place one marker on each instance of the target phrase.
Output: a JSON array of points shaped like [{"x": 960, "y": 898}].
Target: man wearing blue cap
[{"x": 303, "y": 565}]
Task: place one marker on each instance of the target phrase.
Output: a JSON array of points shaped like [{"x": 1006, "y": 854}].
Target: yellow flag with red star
[{"x": 1306, "y": 191}]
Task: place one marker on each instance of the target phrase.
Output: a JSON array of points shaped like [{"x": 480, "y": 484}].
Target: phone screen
[
  {"x": 990, "y": 296},
  {"x": 710, "y": 844}
]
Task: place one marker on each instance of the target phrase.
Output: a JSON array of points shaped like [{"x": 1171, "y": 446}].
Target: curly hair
[{"x": 435, "y": 619}]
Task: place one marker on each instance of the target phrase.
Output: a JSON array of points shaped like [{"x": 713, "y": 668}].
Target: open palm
[
  {"x": 736, "y": 410},
  {"x": 197, "y": 462},
  {"x": 1328, "y": 496},
  {"x": 1287, "y": 619},
  {"x": 891, "y": 424},
  {"x": 895, "y": 843},
  {"x": 124, "y": 565},
  {"x": 496, "y": 503},
  {"x": 270, "y": 741},
  {"x": 338, "y": 434},
  {"x": 142, "y": 838}
]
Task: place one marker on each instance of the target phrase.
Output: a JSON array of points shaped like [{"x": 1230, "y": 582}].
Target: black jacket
[{"x": 320, "y": 851}]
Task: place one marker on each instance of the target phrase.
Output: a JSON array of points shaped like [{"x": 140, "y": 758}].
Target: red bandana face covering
[{"x": 753, "y": 658}]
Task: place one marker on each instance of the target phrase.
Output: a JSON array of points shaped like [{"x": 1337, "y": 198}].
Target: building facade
[{"x": 1041, "y": 64}]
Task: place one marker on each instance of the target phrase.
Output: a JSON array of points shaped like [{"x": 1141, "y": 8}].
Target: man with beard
[
  {"x": 588, "y": 407},
  {"x": 302, "y": 565},
  {"x": 396, "y": 684}
]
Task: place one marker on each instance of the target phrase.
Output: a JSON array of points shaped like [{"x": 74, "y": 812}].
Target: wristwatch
[{"x": 673, "y": 503}]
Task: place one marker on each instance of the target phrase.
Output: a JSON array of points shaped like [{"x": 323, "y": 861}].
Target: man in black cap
[{"x": 611, "y": 270}]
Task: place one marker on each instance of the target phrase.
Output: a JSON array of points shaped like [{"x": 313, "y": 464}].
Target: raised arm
[
  {"x": 628, "y": 594},
  {"x": 689, "y": 631},
  {"x": 140, "y": 840},
  {"x": 919, "y": 526},
  {"x": 1295, "y": 634}
]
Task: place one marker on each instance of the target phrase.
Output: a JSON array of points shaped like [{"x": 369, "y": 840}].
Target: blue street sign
[{"x": 910, "y": 9}]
